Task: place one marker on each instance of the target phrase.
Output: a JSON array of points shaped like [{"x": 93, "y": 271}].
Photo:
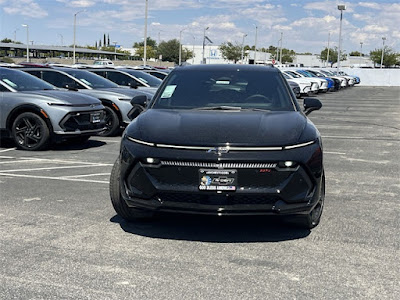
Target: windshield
[
  {"x": 233, "y": 89},
  {"x": 146, "y": 78},
  {"x": 22, "y": 82},
  {"x": 91, "y": 79}
]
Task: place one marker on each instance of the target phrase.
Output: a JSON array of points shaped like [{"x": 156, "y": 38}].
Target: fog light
[
  {"x": 289, "y": 164},
  {"x": 150, "y": 160}
]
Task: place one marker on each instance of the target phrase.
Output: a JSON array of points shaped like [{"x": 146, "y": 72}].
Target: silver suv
[
  {"x": 34, "y": 113},
  {"x": 116, "y": 99}
]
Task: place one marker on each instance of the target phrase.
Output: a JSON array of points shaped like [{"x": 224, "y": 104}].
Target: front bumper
[
  {"x": 263, "y": 185},
  {"x": 83, "y": 122}
]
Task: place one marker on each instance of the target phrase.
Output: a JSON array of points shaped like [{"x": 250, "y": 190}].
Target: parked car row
[
  {"x": 313, "y": 81},
  {"x": 67, "y": 103}
]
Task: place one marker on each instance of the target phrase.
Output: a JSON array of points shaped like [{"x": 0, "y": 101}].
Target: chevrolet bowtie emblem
[{"x": 218, "y": 150}]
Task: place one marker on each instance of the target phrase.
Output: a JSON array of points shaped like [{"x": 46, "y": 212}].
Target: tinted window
[
  {"x": 146, "y": 78},
  {"x": 3, "y": 88},
  {"x": 119, "y": 78},
  {"x": 92, "y": 80},
  {"x": 22, "y": 81},
  {"x": 60, "y": 80},
  {"x": 239, "y": 88}
]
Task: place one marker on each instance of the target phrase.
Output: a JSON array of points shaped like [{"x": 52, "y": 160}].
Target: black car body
[{"x": 222, "y": 140}]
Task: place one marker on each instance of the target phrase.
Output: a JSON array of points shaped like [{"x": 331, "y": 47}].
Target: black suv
[{"x": 221, "y": 140}]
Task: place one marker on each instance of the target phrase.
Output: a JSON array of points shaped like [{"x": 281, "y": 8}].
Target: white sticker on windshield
[
  {"x": 10, "y": 83},
  {"x": 85, "y": 81},
  {"x": 168, "y": 91}
]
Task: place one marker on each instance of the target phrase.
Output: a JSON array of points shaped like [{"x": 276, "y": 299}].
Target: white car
[
  {"x": 305, "y": 86},
  {"x": 304, "y": 80},
  {"x": 343, "y": 81},
  {"x": 323, "y": 84},
  {"x": 104, "y": 62}
]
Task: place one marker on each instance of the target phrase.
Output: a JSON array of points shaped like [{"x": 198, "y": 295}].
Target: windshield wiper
[
  {"x": 222, "y": 107},
  {"x": 256, "y": 109}
]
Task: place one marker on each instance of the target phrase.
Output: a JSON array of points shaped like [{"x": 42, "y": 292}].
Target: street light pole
[
  {"x": 341, "y": 8},
  {"x": 383, "y": 50},
  {"x": 74, "y": 60},
  {"x": 280, "y": 55},
  {"x": 244, "y": 35},
  {"x": 145, "y": 34},
  {"x": 27, "y": 41},
  {"x": 361, "y": 43},
  {"x": 255, "y": 46},
  {"x": 204, "y": 43},
  {"x": 180, "y": 47},
  {"x": 327, "y": 55},
  {"x": 115, "y": 50}
]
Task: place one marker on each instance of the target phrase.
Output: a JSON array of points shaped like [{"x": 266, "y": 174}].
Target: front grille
[
  {"x": 207, "y": 199},
  {"x": 219, "y": 165},
  {"x": 81, "y": 121}
]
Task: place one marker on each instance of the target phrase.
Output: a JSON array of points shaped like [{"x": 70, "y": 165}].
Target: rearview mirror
[{"x": 311, "y": 104}]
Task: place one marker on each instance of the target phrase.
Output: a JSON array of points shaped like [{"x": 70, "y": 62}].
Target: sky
[{"x": 305, "y": 25}]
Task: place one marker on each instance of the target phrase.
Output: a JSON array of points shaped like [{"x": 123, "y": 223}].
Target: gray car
[
  {"x": 34, "y": 113},
  {"x": 116, "y": 99}
]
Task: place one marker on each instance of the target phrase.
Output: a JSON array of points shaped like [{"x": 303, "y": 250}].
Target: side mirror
[
  {"x": 70, "y": 86},
  {"x": 138, "y": 104},
  {"x": 139, "y": 100},
  {"x": 311, "y": 104},
  {"x": 133, "y": 84}
]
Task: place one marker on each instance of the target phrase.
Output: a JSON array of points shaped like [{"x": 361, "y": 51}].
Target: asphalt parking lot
[{"x": 60, "y": 237}]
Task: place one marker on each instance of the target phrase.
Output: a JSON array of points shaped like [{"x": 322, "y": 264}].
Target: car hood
[
  {"x": 66, "y": 97},
  {"x": 212, "y": 128}
]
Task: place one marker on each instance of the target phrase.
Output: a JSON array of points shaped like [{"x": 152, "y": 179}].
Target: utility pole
[
  {"x": 242, "y": 58},
  {"x": 145, "y": 34},
  {"x": 327, "y": 55},
  {"x": 255, "y": 46}
]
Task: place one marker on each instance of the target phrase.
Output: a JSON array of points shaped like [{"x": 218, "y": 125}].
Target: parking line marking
[
  {"x": 53, "y": 178},
  {"x": 18, "y": 161},
  {"x": 52, "y": 168},
  {"x": 60, "y": 161},
  {"x": 339, "y": 153},
  {"x": 86, "y": 175},
  {"x": 6, "y": 150}
]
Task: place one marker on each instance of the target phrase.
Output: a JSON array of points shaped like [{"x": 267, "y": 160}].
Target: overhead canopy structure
[{"x": 40, "y": 51}]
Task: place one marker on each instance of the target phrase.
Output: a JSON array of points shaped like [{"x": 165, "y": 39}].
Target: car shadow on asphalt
[
  {"x": 242, "y": 229},
  {"x": 60, "y": 146},
  {"x": 66, "y": 146}
]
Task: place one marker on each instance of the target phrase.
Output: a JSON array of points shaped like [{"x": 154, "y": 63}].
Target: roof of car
[{"x": 227, "y": 67}]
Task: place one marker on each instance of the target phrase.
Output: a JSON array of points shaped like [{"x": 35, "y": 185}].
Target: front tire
[
  {"x": 112, "y": 122},
  {"x": 313, "y": 218},
  {"x": 121, "y": 208},
  {"x": 30, "y": 132}
]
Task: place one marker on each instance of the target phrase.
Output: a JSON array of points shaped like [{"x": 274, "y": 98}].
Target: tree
[
  {"x": 230, "y": 51},
  {"x": 150, "y": 42},
  {"x": 6, "y": 40},
  {"x": 170, "y": 51},
  {"x": 390, "y": 58},
  {"x": 150, "y": 52},
  {"x": 108, "y": 39},
  {"x": 333, "y": 55},
  {"x": 355, "y": 53},
  {"x": 104, "y": 40}
]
